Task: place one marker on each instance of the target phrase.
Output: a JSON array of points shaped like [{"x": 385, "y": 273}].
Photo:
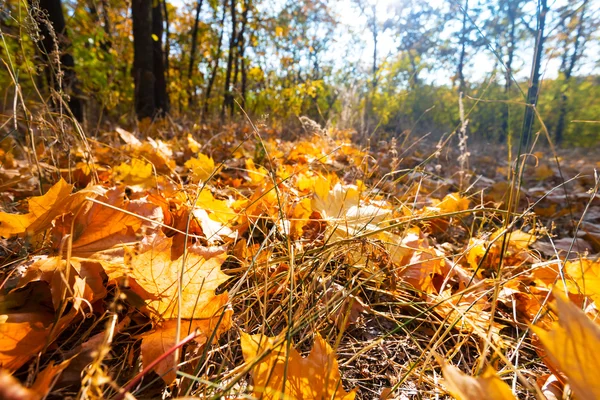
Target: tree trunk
[
  {"x": 161, "y": 98},
  {"x": 568, "y": 72},
  {"x": 58, "y": 41},
  {"x": 228, "y": 96},
  {"x": 215, "y": 67},
  {"x": 167, "y": 51},
  {"x": 240, "y": 51},
  {"x": 143, "y": 51},
  {"x": 191, "y": 86},
  {"x": 534, "y": 81}
]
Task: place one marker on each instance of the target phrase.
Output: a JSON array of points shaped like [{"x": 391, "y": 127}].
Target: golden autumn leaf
[
  {"x": 22, "y": 335},
  {"x": 467, "y": 312},
  {"x": 256, "y": 174},
  {"x": 42, "y": 384},
  {"x": 202, "y": 167},
  {"x": 314, "y": 377},
  {"x": 163, "y": 337},
  {"x": 137, "y": 172},
  {"x": 464, "y": 387},
  {"x": 157, "y": 276},
  {"x": 453, "y": 202},
  {"x": 42, "y": 211},
  {"x": 586, "y": 275},
  {"x": 573, "y": 345}
]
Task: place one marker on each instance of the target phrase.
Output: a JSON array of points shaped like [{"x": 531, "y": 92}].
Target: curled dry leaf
[
  {"x": 573, "y": 345},
  {"x": 314, "y": 377}
]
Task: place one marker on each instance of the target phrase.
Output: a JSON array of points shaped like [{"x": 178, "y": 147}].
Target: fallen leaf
[
  {"x": 314, "y": 377},
  {"x": 163, "y": 337},
  {"x": 157, "y": 276},
  {"x": 573, "y": 345},
  {"x": 202, "y": 167},
  {"x": 42, "y": 211},
  {"x": 464, "y": 387}
]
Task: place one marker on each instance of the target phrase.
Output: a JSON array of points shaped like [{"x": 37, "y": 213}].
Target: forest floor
[{"x": 313, "y": 266}]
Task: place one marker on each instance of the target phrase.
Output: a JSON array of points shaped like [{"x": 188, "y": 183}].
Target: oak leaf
[{"x": 314, "y": 377}]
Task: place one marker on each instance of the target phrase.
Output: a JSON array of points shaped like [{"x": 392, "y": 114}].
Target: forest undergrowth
[{"x": 228, "y": 262}]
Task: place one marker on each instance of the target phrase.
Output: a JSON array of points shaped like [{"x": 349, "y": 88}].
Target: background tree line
[{"x": 279, "y": 59}]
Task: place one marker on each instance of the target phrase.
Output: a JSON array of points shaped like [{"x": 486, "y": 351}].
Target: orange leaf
[
  {"x": 22, "y": 335},
  {"x": 314, "y": 377},
  {"x": 573, "y": 345},
  {"x": 465, "y": 387},
  {"x": 42, "y": 211},
  {"x": 157, "y": 276},
  {"x": 163, "y": 338}
]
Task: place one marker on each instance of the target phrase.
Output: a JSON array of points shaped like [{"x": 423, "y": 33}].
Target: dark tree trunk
[
  {"x": 167, "y": 51},
  {"x": 143, "y": 65},
  {"x": 215, "y": 67},
  {"x": 534, "y": 81},
  {"x": 240, "y": 52},
  {"x": 192, "y": 87},
  {"x": 58, "y": 41},
  {"x": 568, "y": 72},
  {"x": 161, "y": 98},
  {"x": 228, "y": 96}
]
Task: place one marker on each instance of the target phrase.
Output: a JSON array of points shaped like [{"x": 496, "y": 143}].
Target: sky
[{"x": 479, "y": 66}]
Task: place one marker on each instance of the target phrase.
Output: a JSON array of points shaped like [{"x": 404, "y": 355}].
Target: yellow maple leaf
[
  {"x": 138, "y": 172},
  {"x": 42, "y": 211},
  {"x": 157, "y": 276},
  {"x": 464, "y": 387},
  {"x": 256, "y": 174},
  {"x": 218, "y": 209},
  {"x": 586, "y": 275},
  {"x": 573, "y": 345},
  {"x": 202, "y": 167},
  {"x": 154, "y": 276},
  {"x": 314, "y": 377},
  {"x": 453, "y": 202}
]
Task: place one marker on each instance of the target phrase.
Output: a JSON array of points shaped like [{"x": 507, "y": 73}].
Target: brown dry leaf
[
  {"x": 573, "y": 345},
  {"x": 418, "y": 262},
  {"x": 101, "y": 227},
  {"x": 42, "y": 211},
  {"x": 314, "y": 377},
  {"x": 162, "y": 338},
  {"x": 43, "y": 381},
  {"x": 53, "y": 270},
  {"x": 464, "y": 387}
]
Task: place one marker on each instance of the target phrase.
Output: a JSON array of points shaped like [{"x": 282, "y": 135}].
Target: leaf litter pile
[{"x": 234, "y": 264}]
